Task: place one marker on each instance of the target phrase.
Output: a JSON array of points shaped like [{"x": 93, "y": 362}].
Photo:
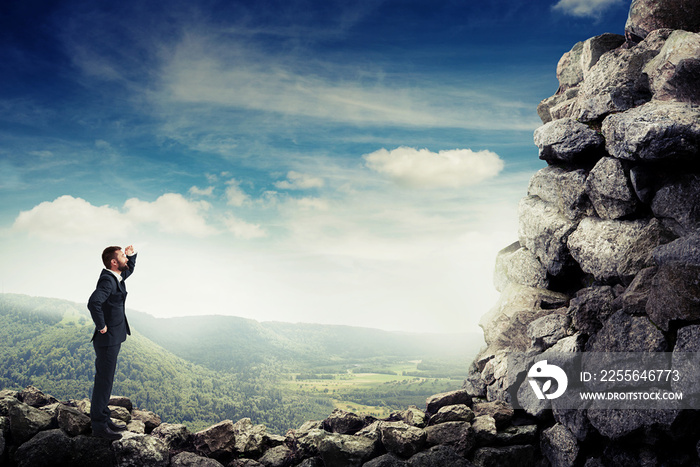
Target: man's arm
[
  {"x": 131, "y": 261},
  {"x": 97, "y": 299}
]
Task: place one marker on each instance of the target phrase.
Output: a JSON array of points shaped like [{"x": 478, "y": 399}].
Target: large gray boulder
[
  {"x": 648, "y": 15},
  {"x": 505, "y": 456},
  {"x": 25, "y": 420},
  {"x": 402, "y": 439},
  {"x": 595, "y": 47},
  {"x": 505, "y": 325},
  {"x": 458, "y": 435},
  {"x": 564, "y": 189},
  {"x": 610, "y": 190},
  {"x": 347, "y": 450},
  {"x": 557, "y": 106},
  {"x": 217, "y": 441},
  {"x": 567, "y": 140},
  {"x": 439, "y": 456},
  {"x": 679, "y": 202},
  {"x": 435, "y": 402},
  {"x": 548, "y": 330},
  {"x": 189, "y": 459},
  {"x": 559, "y": 446},
  {"x": 675, "y": 72},
  {"x": 72, "y": 421},
  {"x": 611, "y": 249},
  {"x": 590, "y": 308},
  {"x": 569, "y": 70},
  {"x": 47, "y": 448},
  {"x": 138, "y": 449},
  {"x": 616, "y": 82},
  {"x": 343, "y": 422},
  {"x": 453, "y": 413},
  {"x": 674, "y": 294},
  {"x": 654, "y": 131},
  {"x": 616, "y": 423},
  {"x": 518, "y": 265},
  {"x": 684, "y": 250},
  {"x": 544, "y": 231},
  {"x": 175, "y": 436},
  {"x": 625, "y": 333}
]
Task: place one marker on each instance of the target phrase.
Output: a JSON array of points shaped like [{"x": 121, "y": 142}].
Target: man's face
[{"x": 121, "y": 260}]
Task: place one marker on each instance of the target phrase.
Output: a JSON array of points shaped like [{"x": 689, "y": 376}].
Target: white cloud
[
  {"x": 421, "y": 168},
  {"x": 242, "y": 229},
  {"x": 581, "y": 8},
  {"x": 299, "y": 181},
  {"x": 68, "y": 218},
  {"x": 208, "y": 191},
  {"x": 172, "y": 213},
  {"x": 235, "y": 196},
  {"x": 313, "y": 203}
]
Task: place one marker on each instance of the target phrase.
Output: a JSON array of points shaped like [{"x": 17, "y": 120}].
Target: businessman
[{"x": 106, "y": 305}]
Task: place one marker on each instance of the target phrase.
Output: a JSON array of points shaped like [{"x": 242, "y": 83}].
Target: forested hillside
[{"x": 46, "y": 343}]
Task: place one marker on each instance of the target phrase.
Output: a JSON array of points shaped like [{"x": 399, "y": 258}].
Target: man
[{"x": 106, "y": 305}]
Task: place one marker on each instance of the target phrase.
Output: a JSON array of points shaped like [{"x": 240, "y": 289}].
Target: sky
[{"x": 336, "y": 162}]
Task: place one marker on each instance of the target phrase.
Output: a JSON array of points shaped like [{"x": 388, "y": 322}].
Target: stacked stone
[{"x": 608, "y": 250}]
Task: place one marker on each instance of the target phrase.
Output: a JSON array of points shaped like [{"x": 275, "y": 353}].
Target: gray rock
[
  {"x": 505, "y": 325},
  {"x": 412, "y": 416},
  {"x": 275, "y": 457},
  {"x": 119, "y": 413},
  {"x": 135, "y": 450},
  {"x": 686, "y": 360},
  {"x": 150, "y": 419},
  {"x": 559, "y": 446},
  {"x": 611, "y": 249},
  {"x": 595, "y": 47},
  {"x": 437, "y": 401},
  {"x": 517, "y": 435},
  {"x": 89, "y": 451},
  {"x": 685, "y": 250},
  {"x": 615, "y": 83},
  {"x": 616, "y": 423},
  {"x": 175, "y": 436},
  {"x": 25, "y": 420},
  {"x": 567, "y": 140},
  {"x": 516, "y": 264},
  {"x": 674, "y": 295},
  {"x": 506, "y": 456},
  {"x": 250, "y": 440},
  {"x": 564, "y": 189},
  {"x": 680, "y": 202},
  {"x": 485, "y": 431},
  {"x": 439, "y": 456},
  {"x": 557, "y": 106},
  {"x": 47, "y": 448},
  {"x": 674, "y": 72},
  {"x": 136, "y": 426},
  {"x": 501, "y": 411},
  {"x": 402, "y": 439},
  {"x": 548, "y": 330},
  {"x": 575, "y": 420},
  {"x": 216, "y": 441},
  {"x": 610, "y": 190},
  {"x": 590, "y": 308},
  {"x": 569, "y": 71},
  {"x": 654, "y": 131},
  {"x": 634, "y": 300},
  {"x": 528, "y": 401},
  {"x": 544, "y": 231},
  {"x": 34, "y": 397},
  {"x": 625, "y": 333},
  {"x": 306, "y": 443},
  {"x": 253, "y": 463},
  {"x": 343, "y": 422},
  {"x": 458, "y": 435},
  {"x": 387, "y": 460},
  {"x": 648, "y": 15},
  {"x": 72, "y": 421},
  {"x": 453, "y": 413},
  {"x": 189, "y": 459},
  {"x": 347, "y": 450},
  {"x": 121, "y": 401}
]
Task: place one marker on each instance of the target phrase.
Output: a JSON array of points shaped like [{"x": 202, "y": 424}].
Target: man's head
[{"x": 114, "y": 258}]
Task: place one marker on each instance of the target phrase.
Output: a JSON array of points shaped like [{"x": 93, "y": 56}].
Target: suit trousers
[{"x": 105, "y": 366}]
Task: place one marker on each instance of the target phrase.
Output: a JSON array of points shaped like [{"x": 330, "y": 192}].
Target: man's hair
[{"x": 109, "y": 254}]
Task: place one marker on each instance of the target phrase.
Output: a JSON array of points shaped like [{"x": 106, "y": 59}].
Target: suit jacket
[{"x": 106, "y": 305}]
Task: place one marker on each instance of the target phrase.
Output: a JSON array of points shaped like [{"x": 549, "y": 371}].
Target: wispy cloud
[
  {"x": 583, "y": 8},
  {"x": 299, "y": 181}
]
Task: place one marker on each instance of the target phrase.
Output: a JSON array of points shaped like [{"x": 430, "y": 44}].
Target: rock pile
[
  {"x": 454, "y": 430},
  {"x": 608, "y": 250}
]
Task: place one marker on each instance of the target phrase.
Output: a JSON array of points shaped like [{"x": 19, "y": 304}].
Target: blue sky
[{"x": 336, "y": 162}]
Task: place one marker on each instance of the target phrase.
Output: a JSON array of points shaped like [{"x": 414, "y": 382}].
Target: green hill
[{"x": 200, "y": 370}]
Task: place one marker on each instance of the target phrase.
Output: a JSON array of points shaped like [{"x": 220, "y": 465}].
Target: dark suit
[{"x": 106, "y": 305}]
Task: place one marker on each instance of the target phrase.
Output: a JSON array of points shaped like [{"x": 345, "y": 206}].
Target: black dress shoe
[
  {"x": 114, "y": 427},
  {"x": 105, "y": 433}
]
